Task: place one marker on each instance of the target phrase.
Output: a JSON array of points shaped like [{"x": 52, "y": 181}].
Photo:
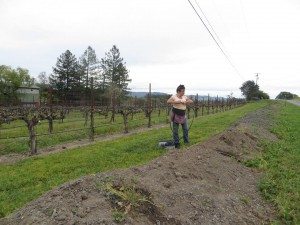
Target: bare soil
[{"x": 204, "y": 184}]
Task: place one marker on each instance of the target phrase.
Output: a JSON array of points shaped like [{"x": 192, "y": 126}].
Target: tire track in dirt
[{"x": 295, "y": 102}]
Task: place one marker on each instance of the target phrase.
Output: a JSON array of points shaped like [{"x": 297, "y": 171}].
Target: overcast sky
[{"x": 162, "y": 41}]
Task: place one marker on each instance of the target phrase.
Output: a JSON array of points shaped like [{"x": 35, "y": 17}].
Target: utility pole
[
  {"x": 256, "y": 77},
  {"x": 149, "y": 110}
]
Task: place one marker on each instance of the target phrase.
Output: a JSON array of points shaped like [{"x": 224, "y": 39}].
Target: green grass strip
[
  {"x": 281, "y": 163},
  {"x": 29, "y": 179}
]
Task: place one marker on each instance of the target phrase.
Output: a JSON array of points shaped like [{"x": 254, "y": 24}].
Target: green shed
[{"x": 29, "y": 95}]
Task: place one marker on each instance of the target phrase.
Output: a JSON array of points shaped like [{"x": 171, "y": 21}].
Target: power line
[
  {"x": 208, "y": 22},
  {"x": 228, "y": 59}
]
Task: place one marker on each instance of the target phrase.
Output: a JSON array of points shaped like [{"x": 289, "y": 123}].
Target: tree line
[
  {"x": 10, "y": 81},
  {"x": 251, "y": 91},
  {"x": 70, "y": 80},
  {"x": 71, "y": 77}
]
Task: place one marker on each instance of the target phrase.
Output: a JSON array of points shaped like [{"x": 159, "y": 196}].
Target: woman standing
[{"x": 179, "y": 102}]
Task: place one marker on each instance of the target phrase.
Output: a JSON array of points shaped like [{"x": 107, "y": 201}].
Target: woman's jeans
[{"x": 185, "y": 132}]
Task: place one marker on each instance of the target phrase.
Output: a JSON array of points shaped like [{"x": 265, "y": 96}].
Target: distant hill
[
  {"x": 204, "y": 97},
  {"x": 142, "y": 94}
]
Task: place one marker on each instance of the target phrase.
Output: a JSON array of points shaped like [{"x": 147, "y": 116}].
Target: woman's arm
[{"x": 189, "y": 101}]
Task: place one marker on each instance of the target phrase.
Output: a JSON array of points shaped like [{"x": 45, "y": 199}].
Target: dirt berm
[{"x": 204, "y": 184}]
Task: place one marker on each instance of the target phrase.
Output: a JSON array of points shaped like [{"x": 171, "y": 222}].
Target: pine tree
[
  {"x": 89, "y": 65},
  {"x": 114, "y": 72},
  {"x": 115, "y": 77},
  {"x": 66, "y": 77}
]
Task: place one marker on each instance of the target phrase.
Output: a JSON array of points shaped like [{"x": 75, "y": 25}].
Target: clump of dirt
[
  {"x": 204, "y": 184},
  {"x": 243, "y": 140}
]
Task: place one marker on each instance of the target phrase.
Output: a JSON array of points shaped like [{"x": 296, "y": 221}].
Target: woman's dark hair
[{"x": 180, "y": 87}]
